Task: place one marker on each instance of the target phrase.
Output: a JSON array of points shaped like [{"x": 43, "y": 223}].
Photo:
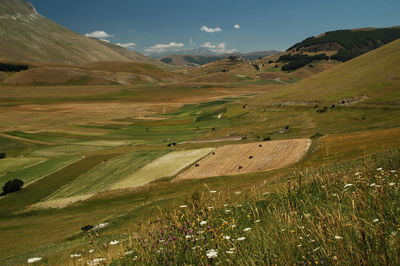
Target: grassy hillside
[
  {"x": 29, "y": 37},
  {"x": 375, "y": 75}
]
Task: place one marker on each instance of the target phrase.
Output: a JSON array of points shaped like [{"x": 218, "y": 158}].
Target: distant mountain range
[
  {"x": 27, "y": 36},
  {"x": 203, "y": 56}
]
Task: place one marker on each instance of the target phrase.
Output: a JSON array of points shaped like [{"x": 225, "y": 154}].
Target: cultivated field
[
  {"x": 165, "y": 166},
  {"x": 248, "y": 158}
]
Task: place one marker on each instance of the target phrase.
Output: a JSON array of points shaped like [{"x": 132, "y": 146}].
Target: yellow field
[
  {"x": 165, "y": 166},
  {"x": 248, "y": 158}
]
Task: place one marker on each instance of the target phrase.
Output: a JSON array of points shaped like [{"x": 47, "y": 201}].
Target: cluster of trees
[
  {"x": 12, "y": 67},
  {"x": 299, "y": 60},
  {"x": 12, "y": 186}
]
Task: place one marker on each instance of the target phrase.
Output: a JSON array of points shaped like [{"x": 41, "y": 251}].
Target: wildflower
[
  {"x": 200, "y": 232},
  {"x": 246, "y": 229},
  {"x": 338, "y": 237},
  {"x": 225, "y": 205},
  {"x": 75, "y": 255},
  {"x": 161, "y": 240},
  {"x": 323, "y": 186},
  {"x": 257, "y": 221},
  {"x": 358, "y": 173},
  {"x": 393, "y": 171},
  {"x": 379, "y": 169},
  {"x": 33, "y": 260},
  {"x": 213, "y": 191},
  {"x": 238, "y": 206},
  {"x": 212, "y": 253},
  {"x": 183, "y": 206},
  {"x": 226, "y": 237},
  {"x": 375, "y": 220},
  {"x": 210, "y": 207},
  {"x": 372, "y": 185},
  {"x": 283, "y": 230},
  {"x": 233, "y": 225},
  {"x": 238, "y": 192},
  {"x": 228, "y": 211},
  {"x": 241, "y": 238},
  {"x": 128, "y": 252},
  {"x": 392, "y": 184},
  {"x": 114, "y": 242},
  {"x": 299, "y": 245},
  {"x": 334, "y": 258},
  {"x": 203, "y": 222},
  {"x": 265, "y": 193},
  {"x": 91, "y": 251},
  {"x": 96, "y": 261},
  {"x": 348, "y": 185},
  {"x": 187, "y": 237},
  {"x": 316, "y": 249},
  {"x": 394, "y": 233},
  {"x": 230, "y": 252}
]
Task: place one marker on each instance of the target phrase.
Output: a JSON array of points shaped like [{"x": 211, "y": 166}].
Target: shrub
[
  {"x": 12, "y": 186},
  {"x": 3, "y": 155},
  {"x": 87, "y": 228}
]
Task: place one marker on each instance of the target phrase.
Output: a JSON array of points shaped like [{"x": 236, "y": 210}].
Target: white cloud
[
  {"x": 237, "y": 26},
  {"x": 218, "y": 48},
  {"x": 104, "y": 40},
  {"x": 98, "y": 34},
  {"x": 126, "y": 45},
  {"x": 211, "y": 30},
  {"x": 160, "y": 48}
]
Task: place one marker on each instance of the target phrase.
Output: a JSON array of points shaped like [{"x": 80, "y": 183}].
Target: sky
[{"x": 162, "y": 26}]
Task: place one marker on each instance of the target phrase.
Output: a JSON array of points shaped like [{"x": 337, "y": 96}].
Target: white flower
[
  {"x": 203, "y": 222},
  {"x": 114, "y": 242},
  {"x": 379, "y": 169},
  {"x": 283, "y": 230},
  {"x": 161, "y": 240},
  {"x": 238, "y": 206},
  {"x": 75, "y": 255},
  {"x": 91, "y": 251},
  {"x": 200, "y": 232},
  {"x": 375, "y": 220},
  {"x": 96, "y": 261},
  {"x": 227, "y": 237},
  {"x": 265, "y": 193},
  {"x": 316, "y": 249},
  {"x": 257, "y": 221},
  {"x": 238, "y": 192},
  {"x": 183, "y": 206},
  {"x": 393, "y": 171},
  {"x": 128, "y": 252},
  {"x": 210, "y": 207},
  {"x": 338, "y": 237},
  {"x": 228, "y": 211},
  {"x": 213, "y": 191},
  {"x": 33, "y": 260},
  {"x": 348, "y": 185},
  {"x": 299, "y": 245},
  {"x": 225, "y": 205},
  {"x": 230, "y": 252},
  {"x": 357, "y": 173},
  {"x": 212, "y": 253},
  {"x": 246, "y": 229},
  {"x": 372, "y": 185},
  {"x": 241, "y": 238},
  {"x": 392, "y": 184},
  {"x": 187, "y": 237}
]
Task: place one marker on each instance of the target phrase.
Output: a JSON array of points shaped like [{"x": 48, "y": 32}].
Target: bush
[
  {"x": 3, "y": 155},
  {"x": 12, "y": 186},
  {"x": 12, "y": 67}
]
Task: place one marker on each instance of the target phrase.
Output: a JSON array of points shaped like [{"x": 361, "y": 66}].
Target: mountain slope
[
  {"x": 29, "y": 37},
  {"x": 374, "y": 76},
  {"x": 348, "y": 43}
]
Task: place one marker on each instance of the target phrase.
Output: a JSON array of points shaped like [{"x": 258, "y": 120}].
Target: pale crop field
[
  {"x": 165, "y": 166},
  {"x": 105, "y": 175},
  {"x": 13, "y": 164},
  {"x": 248, "y": 158},
  {"x": 72, "y": 149}
]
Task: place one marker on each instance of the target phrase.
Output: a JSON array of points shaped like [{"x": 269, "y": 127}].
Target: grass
[
  {"x": 165, "y": 166},
  {"x": 12, "y": 164},
  {"x": 341, "y": 215},
  {"x": 39, "y": 170}
]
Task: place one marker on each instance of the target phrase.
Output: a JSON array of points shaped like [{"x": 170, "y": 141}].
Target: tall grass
[{"x": 344, "y": 214}]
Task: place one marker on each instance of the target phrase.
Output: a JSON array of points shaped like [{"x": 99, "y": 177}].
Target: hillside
[
  {"x": 375, "y": 75},
  {"x": 202, "y": 59},
  {"x": 26, "y": 36},
  {"x": 348, "y": 43}
]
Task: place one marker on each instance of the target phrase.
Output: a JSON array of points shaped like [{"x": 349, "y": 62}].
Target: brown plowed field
[{"x": 248, "y": 158}]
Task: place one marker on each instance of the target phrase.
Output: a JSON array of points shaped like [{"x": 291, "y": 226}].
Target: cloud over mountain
[
  {"x": 98, "y": 34},
  {"x": 160, "y": 48}
]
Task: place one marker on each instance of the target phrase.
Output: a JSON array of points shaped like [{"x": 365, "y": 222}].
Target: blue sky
[{"x": 169, "y": 25}]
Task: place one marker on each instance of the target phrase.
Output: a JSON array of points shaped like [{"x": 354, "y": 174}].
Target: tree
[
  {"x": 12, "y": 186},
  {"x": 3, "y": 155}
]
